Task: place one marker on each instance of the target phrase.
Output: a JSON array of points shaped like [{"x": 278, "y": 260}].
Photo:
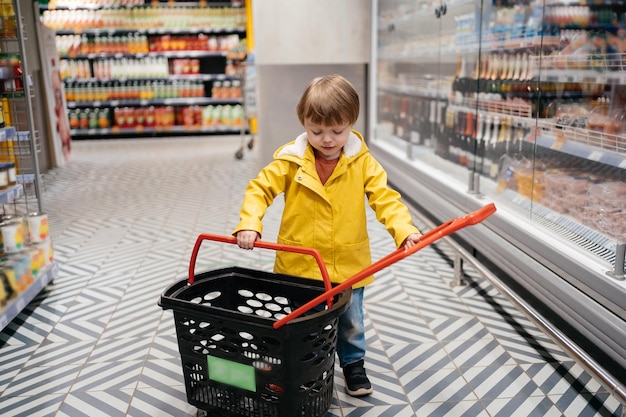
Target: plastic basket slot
[
  {"x": 270, "y": 398},
  {"x": 195, "y": 372},
  {"x": 264, "y": 297},
  {"x": 311, "y": 337},
  {"x": 272, "y": 360},
  {"x": 204, "y": 348},
  {"x": 262, "y": 366},
  {"x": 318, "y": 384}
]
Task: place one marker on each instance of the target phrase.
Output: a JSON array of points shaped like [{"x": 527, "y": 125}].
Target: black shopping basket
[
  {"x": 234, "y": 361},
  {"x": 261, "y": 344}
]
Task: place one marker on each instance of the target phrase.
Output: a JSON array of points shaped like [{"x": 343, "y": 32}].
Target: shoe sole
[{"x": 361, "y": 392}]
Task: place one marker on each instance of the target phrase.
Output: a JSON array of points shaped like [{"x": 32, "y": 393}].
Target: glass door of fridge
[
  {"x": 426, "y": 73},
  {"x": 518, "y": 102}
]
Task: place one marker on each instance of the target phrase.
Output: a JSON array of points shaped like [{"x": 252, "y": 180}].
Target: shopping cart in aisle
[
  {"x": 261, "y": 344},
  {"x": 249, "y": 96}
]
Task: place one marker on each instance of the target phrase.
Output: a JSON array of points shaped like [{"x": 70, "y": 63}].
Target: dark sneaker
[{"x": 357, "y": 384}]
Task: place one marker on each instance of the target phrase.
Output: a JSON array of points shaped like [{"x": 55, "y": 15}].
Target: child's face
[{"x": 328, "y": 141}]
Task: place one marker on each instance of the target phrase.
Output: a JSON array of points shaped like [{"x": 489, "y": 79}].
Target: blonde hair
[{"x": 328, "y": 101}]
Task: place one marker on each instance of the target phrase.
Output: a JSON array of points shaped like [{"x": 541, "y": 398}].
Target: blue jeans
[{"x": 351, "y": 331}]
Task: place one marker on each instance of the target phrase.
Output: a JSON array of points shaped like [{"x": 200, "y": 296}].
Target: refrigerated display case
[{"x": 522, "y": 103}]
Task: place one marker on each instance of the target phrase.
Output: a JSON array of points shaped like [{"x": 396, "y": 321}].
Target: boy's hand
[
  {"x": 246, "y": 239},
  {"x": 411, "y": 240}
]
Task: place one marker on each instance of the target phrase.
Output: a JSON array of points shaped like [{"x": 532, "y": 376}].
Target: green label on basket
[{"x": 231, "y": 373}]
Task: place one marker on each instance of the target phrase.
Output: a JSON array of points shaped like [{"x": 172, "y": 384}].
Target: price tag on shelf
[
  {"x": 20, "y": 303},
  {"x": 595, "y": 155},
  {"x": 519, "y": 200}
]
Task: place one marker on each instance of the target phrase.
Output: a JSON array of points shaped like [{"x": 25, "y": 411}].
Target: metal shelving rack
[{"x": 19, "y": 144}]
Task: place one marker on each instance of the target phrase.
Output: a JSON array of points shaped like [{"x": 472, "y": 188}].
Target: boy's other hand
[
  {"x": 246, "y": 239},
  {"x": 411, "y": 240}
]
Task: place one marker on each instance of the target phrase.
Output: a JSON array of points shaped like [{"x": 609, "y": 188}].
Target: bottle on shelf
[
  {"x": 484, "y": 153},
  {"x": 492, "y": 148},
  {"x": 402, "y": 122},
  {"x": 443, "y": 145},
  {"x": 414, "y": 121},
  {"x": 477, "y": 148}
]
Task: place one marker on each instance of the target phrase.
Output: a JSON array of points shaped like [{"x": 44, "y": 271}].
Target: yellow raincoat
[{"x": 330, "y": 217}]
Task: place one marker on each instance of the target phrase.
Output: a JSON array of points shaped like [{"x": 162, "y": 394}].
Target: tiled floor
[{"x": 124, "y": 216}]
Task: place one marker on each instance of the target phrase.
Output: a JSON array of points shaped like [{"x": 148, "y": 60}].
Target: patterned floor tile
[
  {"x": 442, "y": 308},
  {"x": 588, "y": 405},
  {"x": 95, "y": 403},
  {"x": 161, "y": 402},
  {"x": 102, "y": 376},
  {"x": 477, "y": 352},
  {"x": 436, "y": 386},
  {"x": 418, "y": 356},
  {"x": 162, "y": 372},
  {"x": 524, "y": 407},
  {"x": 500, "y": 381},
  {"x": 123, "y": 349},
  {"x": 73, "y": 352},
  {"x": 49, "y": 380},
  {"x": 458, "y": 328},
  {"x": 559, "y": 378},
  {"x": 164, "y": 346},
  {"x": 451, "y": 409},
  {"x": 29, "y": 406},
  {"x": 379, "y": 411}
]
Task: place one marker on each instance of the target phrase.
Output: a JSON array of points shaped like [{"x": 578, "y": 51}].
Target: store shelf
[
  {"x": 16, "y": 305},
  {"x": 155, "y": 130},
  {"x": 166, "y": 54},
  {"x": 11, "y": 193},
  {"x": 154, "y": 31},
  {"x": 110, "y": 49},
  {"x": 173, "y": 77},
  {"x": 80, "y": 4},
  {"x": 584, "y": 144},
  {"x": 192, "y": 101}
]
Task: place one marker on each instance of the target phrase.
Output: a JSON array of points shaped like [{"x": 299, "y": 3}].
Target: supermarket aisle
[{"x": 124, "y": 216}]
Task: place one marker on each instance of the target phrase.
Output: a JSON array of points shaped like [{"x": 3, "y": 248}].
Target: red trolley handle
[
  {"x": 264, "y": 245},
  {"x": 426, "y": 239}
]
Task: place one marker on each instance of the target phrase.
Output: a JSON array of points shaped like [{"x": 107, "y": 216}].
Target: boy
[{"x": 324, "y": 175}]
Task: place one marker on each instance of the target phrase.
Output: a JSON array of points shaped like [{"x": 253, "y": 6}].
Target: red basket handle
[
  {"x": 264, "y": 245},
  {"x": 426, "y": 239}
]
